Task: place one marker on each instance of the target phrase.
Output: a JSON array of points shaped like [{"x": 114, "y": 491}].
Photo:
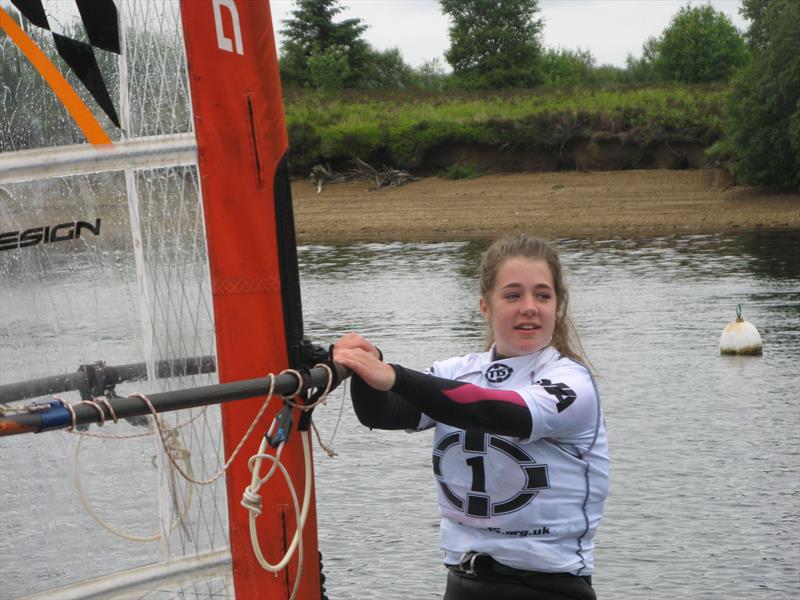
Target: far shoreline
[{"x": 567, "y": 204}]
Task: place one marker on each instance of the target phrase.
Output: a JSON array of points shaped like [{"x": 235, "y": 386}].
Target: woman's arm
[
  {"x": 386, "y": 394},
  {"x": 382, "y": 410},
  {"x": 464, "y": 405},
  {"x": 374, "y": 405}
]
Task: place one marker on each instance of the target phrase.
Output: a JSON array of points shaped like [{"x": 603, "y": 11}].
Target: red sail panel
[{"x": 241, "y": 138}]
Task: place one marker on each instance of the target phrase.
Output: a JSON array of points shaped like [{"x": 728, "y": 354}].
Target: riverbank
[
  {"x": 562, "y": 204},
  {"x": 535, "y": 130}
]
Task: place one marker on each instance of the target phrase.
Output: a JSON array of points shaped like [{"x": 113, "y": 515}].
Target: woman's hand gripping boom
[{"x": 357, "y": 354}]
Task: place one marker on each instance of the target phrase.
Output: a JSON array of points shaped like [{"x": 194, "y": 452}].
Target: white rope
[
  {"x": 221, "y": 472},
  {"x": 105, "y": 524},
  {"x": 322, "y": 399},
  {"x": 104, "y": 401},
  {"x": 299, "y": 389},
  {"x": 270, "y": 394},
  {"x": 328, "y": 446},
  {"x": 251, "y": 500}
]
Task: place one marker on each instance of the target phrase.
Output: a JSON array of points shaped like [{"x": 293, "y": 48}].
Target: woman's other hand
[
  {"x": 357, "y": 354},
  {"x": 356, "y": 340}
]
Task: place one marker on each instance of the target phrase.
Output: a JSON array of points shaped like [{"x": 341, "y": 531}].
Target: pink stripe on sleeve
[{"x": 469, "y": 394}]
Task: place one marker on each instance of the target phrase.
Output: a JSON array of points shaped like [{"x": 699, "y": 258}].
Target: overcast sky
[{"x": 610, "y": 29}]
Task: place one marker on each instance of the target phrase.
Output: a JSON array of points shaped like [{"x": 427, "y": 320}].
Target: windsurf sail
[{"x": 145, "y": 219}]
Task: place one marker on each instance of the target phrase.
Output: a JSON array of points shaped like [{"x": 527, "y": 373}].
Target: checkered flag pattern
[{"x": 99, "y": 18}]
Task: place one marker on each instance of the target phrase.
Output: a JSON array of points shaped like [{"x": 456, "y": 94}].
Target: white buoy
[{"x": 740, "y": 337}]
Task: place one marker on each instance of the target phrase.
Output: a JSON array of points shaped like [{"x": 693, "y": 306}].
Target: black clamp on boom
[
  {"x": 284, "y": 419},
  {"x": 98, "y": 380},
  {"x": 308, "y": 394}
]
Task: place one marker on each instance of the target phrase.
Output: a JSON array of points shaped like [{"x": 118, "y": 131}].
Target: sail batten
[{"x": 79, "y": 159}]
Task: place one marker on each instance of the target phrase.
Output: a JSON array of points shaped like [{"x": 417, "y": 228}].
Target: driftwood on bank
[{"x": 385, "y": 178}]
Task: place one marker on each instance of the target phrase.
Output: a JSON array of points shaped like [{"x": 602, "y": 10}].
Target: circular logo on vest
[
  {"x": 473, "y": 490},
  {"x": 498, "y": 373}
]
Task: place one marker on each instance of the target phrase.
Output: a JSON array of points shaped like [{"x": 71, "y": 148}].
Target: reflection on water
[{"x": 705, "y": 449}]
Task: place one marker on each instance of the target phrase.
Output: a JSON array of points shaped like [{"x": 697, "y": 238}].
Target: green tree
[
  {"x": 311, "y": 32},
  {"x": 755, "y": 11},
  {"x": 386, "y": 69},
  {"x": 567, "y": 67},
  {"x": 328, "y": 69},
  {"x": 762, "y": 119},
  {"x": 607, "y": 75},
  {"x": 494, "y": 43},
  {"x": 641, "y": 70},
  {"x": 431, "y": 75},
  {"x": 700, "y": 45}
]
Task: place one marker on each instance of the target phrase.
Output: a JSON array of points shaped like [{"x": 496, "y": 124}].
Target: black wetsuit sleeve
[
  {"x": 382, "y": 410},
  {"x": 465, "y": 405}
]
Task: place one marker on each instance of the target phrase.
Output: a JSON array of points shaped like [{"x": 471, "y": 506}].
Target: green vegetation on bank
[
  {"x": 398, "y": 128},
  {"x": 459, "y": 171}
]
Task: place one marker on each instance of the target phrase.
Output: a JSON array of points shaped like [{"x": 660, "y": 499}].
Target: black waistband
[{"x": 475, "y": 564}]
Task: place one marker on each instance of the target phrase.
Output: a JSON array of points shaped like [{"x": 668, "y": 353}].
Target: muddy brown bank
[{"x": 564, "y": 204}]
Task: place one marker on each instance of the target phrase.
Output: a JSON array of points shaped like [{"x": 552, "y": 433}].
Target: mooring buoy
[{"x": 740, "y": 337}]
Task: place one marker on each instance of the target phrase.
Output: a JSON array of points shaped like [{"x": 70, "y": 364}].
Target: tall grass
[{"x": 398, "y": 127}]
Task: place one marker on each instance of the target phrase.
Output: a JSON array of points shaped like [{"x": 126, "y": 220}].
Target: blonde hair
[{"x": 565, "y": 338}]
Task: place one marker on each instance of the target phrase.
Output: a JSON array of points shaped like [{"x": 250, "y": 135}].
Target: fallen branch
[
  {"x": 386, "y": 178},
  {"x": 324, "y": 174}
]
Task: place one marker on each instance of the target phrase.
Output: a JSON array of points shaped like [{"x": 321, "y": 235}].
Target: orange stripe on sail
[{"x": 69, "y": 97}]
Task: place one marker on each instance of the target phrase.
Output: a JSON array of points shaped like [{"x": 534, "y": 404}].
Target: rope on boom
[{"x": 315, "y": 384}]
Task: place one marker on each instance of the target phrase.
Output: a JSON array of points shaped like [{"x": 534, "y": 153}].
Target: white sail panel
[{"x": 108, "y": 263}]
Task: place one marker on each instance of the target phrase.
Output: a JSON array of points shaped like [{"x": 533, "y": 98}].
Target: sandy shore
[{"x": 565, "y": 204}]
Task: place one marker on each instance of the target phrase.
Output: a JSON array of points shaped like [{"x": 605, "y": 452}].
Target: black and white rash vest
[{"x": 520, "y": 454}]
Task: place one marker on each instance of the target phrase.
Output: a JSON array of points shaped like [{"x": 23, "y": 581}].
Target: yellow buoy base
[
  {"x": 750, "y": 351},
  {"x": 740, "y": 337}
]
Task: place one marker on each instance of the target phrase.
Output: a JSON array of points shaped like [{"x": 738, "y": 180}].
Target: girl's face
[{"x": 521, "y": 308}]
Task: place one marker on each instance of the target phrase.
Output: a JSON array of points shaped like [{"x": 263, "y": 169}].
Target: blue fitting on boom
[
  {"x": 56, "y": 416},
  {"x": 283, "y": 423}
]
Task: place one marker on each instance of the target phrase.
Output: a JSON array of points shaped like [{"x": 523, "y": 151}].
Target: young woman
[{"x": 520, "y": 452}]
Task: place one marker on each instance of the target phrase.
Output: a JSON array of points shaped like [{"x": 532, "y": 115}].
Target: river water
[{"x": 705, "y": 449}]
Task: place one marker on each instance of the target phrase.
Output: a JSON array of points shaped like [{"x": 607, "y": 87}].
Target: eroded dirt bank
[{"x": 562, "y": 204}]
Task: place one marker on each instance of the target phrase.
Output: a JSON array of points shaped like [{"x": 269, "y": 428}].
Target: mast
[{"x": 242, "y": 143}]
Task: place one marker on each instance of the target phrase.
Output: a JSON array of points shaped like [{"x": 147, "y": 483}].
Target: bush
[
  {"x": 641, "y": 70},
  {"x": 567, "y": 67},
  {"x": 608, "y": 75},
  {"x": 328, "y": 69},
  {"x": 430, "y": 76},
  {"x": 459, "y": 171},
  {"x": 305, "y": 144},
  {"x": 386, "y": 70}
]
